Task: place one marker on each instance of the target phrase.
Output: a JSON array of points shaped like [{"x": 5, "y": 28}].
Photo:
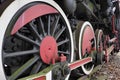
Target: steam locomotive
[{"x": 56, "y": 39}]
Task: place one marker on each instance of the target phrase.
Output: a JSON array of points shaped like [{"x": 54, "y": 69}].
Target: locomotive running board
[{"x": 46, "y": 74}]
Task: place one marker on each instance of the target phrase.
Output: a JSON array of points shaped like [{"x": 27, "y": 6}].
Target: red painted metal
[
  {"x": 79, "y": 63},
  {"x": 106, "y": 48},
  {"x": 48, "y": 50},
  {"x": 113, "y": 24},
  {"x": 101, "y": 43},
  {"x": 105, "y": 42},
  {"x": 107, "y": 52},
  {"x": 117, "y": 47},
  {"x": 115, "y": 32},
  {"x": 32, "y": 13},
  {"x": 62, "y": 58},
  {"x": 88, "y": 35},
  {"x": 40, "y": 78},
  {"x": 106, "y": 56}
]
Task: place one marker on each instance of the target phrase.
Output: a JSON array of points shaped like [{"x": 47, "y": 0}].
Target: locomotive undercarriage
[{"x": 50, "y": 45}]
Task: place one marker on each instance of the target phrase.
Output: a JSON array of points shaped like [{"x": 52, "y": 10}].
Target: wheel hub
[{"x": 48, "y": 50}]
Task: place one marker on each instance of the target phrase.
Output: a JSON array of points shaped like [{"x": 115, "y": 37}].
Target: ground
[
  {"x": 107, "y": 71},
  {"x": 110, "y": 70}
]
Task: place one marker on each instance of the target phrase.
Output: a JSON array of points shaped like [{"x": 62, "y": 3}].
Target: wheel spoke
[
  {"x": 23, "y": 68},
  {"x": 21, "y": 58},
  {"x": 36, "y": 68},
  {"x": 62, "y": 52},
  {"x": 20, "y": 53},
  {"x": 55, "y": 25},
  {"x": 49, "y": 17},
  {"x": 27, "y": 39},
  {"x": 35, "y": 31},
  {"x": 42, "y": 26},
  {"x": 63, "y": 42},
  {"x": 59, "y": 33}
]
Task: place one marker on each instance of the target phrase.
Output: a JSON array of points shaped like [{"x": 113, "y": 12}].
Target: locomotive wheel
[
  {"x": 86, "y": 43},
  {"x": 99, "y": 46},
  {"x": 31, "y": 41}
]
